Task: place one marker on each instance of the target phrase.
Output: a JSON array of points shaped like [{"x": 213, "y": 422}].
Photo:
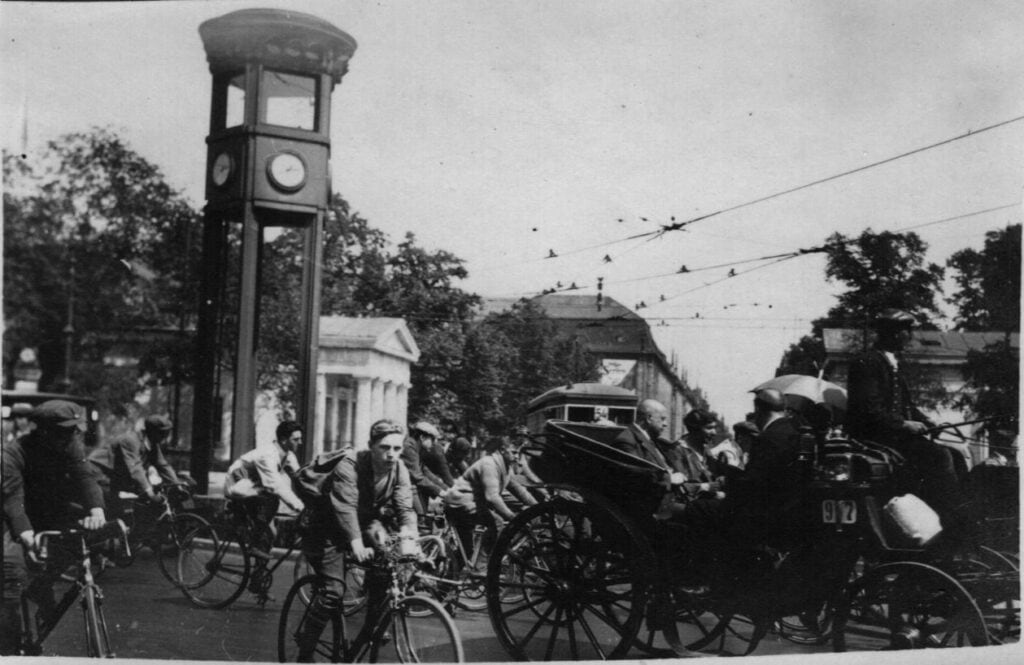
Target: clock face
[
  {"x": 287, "y": 171},
  {"x": 222, "y": 168}
]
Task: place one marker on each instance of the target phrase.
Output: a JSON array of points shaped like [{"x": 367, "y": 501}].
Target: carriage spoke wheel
[
  {"x": 907, "y": 605},
  {"x": 993, "y": 581},
  {"x": 564, "y": 583}
]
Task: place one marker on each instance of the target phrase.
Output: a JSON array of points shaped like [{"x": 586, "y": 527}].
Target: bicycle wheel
[
  {"x": 213, "y": 568},
  {"x": 170, "y": 536},
  {"x": 421, "y": 632},
  {"x": 294, "y": 620},
  {"x": 97, "y": 641}
]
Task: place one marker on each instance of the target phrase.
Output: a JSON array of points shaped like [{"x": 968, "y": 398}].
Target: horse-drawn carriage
[{"x": 591, "y": 573}]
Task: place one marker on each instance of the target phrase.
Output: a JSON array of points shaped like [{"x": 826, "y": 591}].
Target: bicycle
[
  {"x": 164, "y": 535},
  {"x": 216, "y": 561},
  {"x": 56, "y": 549},
  {"x": 398, "y": 627},
  {"x": 447, "y": 573}
]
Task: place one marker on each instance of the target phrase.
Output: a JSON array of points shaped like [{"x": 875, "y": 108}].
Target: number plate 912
[{"x": 841, "y": 511}]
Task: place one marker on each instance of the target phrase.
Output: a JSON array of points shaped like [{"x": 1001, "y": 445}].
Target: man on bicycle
[
  {"x": 261, "y": 479},
  {"x": 354, "y": 500},
  {"x": 476, "y": 495},
  {"x": 43, "y": 474},
  {"x": 428, "y": 469},
  {"x": 124, "y": 464}
]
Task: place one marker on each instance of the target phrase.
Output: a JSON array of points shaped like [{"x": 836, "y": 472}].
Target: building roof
[
  {"x": 385, "y": 334},
  {"x": 612, "y": 331},
  {"x": 952, "y": 345}
]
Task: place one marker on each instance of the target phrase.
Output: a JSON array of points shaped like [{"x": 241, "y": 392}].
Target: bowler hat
[
  {"x": 746, "y": 427},
  {"x": 59, "y": 413},
  {"x": 156, "y": 423}
]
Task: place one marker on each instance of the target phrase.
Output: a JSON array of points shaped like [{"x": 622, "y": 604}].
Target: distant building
[
  {"x": 362, "y": 376},
  {"x": 937, "y": 358},
  {"x": 621, "y": 341}
]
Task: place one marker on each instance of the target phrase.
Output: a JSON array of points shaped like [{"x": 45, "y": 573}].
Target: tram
[{"x": 582, "y": 403}]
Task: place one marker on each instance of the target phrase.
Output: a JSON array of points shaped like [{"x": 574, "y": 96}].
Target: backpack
[{"x": 311, "y": 480}]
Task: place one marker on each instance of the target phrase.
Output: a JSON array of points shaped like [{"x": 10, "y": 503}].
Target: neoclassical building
[{"x": 362, "y": 376}]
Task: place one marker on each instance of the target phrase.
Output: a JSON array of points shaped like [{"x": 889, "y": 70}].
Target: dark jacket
[
  {"x": 39, "y": 483},
  {"x": 421, "y": 464},
  {"x": 878, "y": 398},
  {"x": 340, "y": 491},
  {"x": 125, "y": 463},
  {"x": 757, "y": 496}
]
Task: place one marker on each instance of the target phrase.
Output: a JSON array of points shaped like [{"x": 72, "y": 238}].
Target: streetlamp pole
[{"x": 69, "y": 329}]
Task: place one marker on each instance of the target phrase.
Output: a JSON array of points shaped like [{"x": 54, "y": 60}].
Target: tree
[
  {"x": 988, "y": 298},
  {"x": 881, "y": 270},
  {"x": 91, "y": 222},
  {"x": 988, "y": 295}
]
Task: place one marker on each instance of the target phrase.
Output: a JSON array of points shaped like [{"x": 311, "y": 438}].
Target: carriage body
[{"x": 592, "y": 566}]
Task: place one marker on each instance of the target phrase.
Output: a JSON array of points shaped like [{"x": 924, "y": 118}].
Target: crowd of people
[{"x": 349, "y": 501}]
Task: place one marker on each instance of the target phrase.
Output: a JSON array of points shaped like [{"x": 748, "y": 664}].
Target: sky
[{"x": 505, "y": 132}]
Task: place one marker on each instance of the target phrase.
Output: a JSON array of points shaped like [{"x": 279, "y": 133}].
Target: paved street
[{"x": 149, "y": 618}]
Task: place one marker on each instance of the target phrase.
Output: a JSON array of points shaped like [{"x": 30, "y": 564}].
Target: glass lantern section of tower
[{"x": 289, "y": 100}]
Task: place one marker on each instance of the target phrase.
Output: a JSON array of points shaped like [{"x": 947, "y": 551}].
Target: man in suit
[
  {"x": 880, "y": 409},
  {"x": 638, "y": 439},
  {"x": 760, "y": 494}
]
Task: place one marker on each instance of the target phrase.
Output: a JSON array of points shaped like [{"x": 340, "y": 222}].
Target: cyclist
[
  {"x": 476, "y": 495},
  {"x": 43, "y": 474},
  {"x": 426, "y": 464},
  {"x": 124, "y": 464},
  {"x": 261, "y": 479},
  {"x": 355, "y": 499}
]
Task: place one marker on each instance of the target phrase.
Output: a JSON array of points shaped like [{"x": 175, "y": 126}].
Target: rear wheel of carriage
[
  {"x": 907, "y": 605},
  {"x": 565, "y": 581}
]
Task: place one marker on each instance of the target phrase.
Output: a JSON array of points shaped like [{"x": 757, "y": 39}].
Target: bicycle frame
[{"x": 84, "y": 586}]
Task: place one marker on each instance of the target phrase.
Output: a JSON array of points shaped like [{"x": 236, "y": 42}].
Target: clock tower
[{"x": 267, "y": 172}]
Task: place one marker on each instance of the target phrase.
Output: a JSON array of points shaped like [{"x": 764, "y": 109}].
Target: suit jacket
[
  {"x": 681, "y": 457},
  {"x": 635, "y": 441},
  {"x": 771, "y": 476},
  {"x": 878, "y": 398}
]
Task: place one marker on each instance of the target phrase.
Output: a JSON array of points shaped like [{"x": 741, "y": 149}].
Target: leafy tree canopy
[{"x": 988, "y": 283}]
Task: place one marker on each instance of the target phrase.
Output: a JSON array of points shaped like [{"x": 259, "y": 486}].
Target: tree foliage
[
  {"x": 89, "y": 219},
  {"x": 988, "y": 298},
  {"x": 988, "y": 283},
  {"x": 880, "y": 270}
]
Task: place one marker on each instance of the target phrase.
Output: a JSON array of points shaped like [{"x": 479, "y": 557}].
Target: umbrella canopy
[{"x": 810, "y": 388}]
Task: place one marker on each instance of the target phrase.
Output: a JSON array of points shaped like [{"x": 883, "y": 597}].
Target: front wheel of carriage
[
  {"x": 565, "y": 581},
  {"x": 907, "y": 605}
]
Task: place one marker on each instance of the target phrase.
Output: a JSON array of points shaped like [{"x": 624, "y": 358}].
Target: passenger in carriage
[
  {"x": 880, "y": 409},
  {"x": 687, "y": 455}
]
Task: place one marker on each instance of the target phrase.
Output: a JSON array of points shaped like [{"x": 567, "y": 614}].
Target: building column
[
  {"x": 363, "y": 413},
  {"x": 331, "y": 422},
  {"x": 402, "y": 404},
  {"x": 377, "y": 401},
  {"x": 315, "y": 443},
  {"x": 390, "y": 401}
]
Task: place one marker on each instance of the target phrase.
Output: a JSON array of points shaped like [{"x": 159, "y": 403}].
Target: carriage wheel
[
  {"x": 564, "y": 581},
  {"x": 993, "y": 580},
  {"x": 907, "y": 605}
]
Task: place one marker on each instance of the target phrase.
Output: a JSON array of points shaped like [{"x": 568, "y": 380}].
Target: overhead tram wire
[
  {"x": 677, "y": 226},
  {"x": 798, "y": 252}
]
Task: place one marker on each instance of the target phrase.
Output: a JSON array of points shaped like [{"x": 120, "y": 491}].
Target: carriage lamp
[
  {"x": 834, "y": 468},
  {"x": 267, "y": 170}
]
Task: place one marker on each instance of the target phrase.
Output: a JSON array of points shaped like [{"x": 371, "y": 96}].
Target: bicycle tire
[
  {"x": 170, "y": 536},
  {"x": 214, "y": 567},
  {"x": 294, "y": 613},
  {"x": 97, "y": 640},
  {"x": 421, "y": 632}
]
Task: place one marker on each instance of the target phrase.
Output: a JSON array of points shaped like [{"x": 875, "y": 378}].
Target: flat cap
[
  {"x": 60, "y": 413},
  {"x": 157, "y": 423},
  {"x": 21, "y": 409},
  {"x": 424, "y": 427},
  {"x": 895, "y": 318}
]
